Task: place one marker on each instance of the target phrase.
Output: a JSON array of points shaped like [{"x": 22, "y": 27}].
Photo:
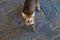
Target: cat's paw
[{"x": 34, "y": 28}]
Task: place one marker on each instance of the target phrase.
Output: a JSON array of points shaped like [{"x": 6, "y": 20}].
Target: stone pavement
[{"x": 47, "y": 21}]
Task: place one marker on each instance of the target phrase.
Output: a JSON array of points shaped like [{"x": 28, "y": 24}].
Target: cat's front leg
[{"x": 33, "y": 22}]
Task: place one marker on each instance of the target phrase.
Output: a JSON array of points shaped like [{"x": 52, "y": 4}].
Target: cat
[{"x": 28, "y": 12}]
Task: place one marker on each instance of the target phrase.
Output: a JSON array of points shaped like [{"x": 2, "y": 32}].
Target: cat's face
[{"x": 28, "y": 19}]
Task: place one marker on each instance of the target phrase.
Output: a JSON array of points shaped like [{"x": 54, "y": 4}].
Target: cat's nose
[{"x": 28, "y": 21}]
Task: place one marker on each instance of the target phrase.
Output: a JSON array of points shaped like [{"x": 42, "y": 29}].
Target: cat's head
[{"x": 28, "y": 19}]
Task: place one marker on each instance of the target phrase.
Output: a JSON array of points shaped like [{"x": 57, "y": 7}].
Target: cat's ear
[
  {"x": 33, "y": 14},
  {"x": 24, "y": 15}
]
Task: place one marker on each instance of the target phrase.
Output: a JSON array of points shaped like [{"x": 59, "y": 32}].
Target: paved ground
[{"x": 47, "y": 21}]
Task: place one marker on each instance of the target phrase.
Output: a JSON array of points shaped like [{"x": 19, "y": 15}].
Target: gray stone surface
[{"x": 47, "y": 21}]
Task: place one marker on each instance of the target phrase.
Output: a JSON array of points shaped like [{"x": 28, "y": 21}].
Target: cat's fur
[{"x": 28, "y": 11}]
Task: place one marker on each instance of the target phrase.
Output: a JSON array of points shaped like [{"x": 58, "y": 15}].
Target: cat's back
[{"x": 29, "y": 7}]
